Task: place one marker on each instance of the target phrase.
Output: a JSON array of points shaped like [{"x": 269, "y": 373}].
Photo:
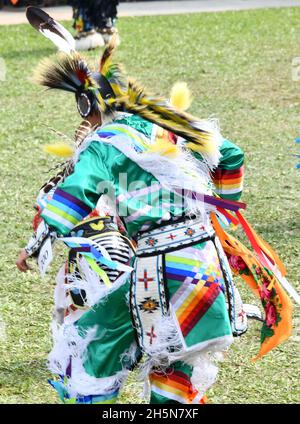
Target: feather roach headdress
[
  {"x": 109, "y": 90},
  {"x": 70, "y": 72}
]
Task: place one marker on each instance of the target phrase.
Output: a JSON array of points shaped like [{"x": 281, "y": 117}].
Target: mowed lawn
[{"x": 239, "y": 67}]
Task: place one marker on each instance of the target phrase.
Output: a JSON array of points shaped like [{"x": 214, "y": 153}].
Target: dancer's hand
[{"x": 21, "y": 261}]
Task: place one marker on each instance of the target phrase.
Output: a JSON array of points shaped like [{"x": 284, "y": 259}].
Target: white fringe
[
  {"x": 212, "y": 125},
  {"x": 169, "y": 335},
  {"x": 201, "y": 357},
  {"x": 129, "y": 355},
  {"x": 159, "y": 356},
  {"x": 68, "y": 343},
  {"x": 204, "y": 372},
  {"x": 89, "y": 281},
  {"x": 181, "y": 172}
]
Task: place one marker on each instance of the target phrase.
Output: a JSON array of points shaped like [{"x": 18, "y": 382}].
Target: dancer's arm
[
  {"x": 229, "y": 176},
  {"x": 70, "y": 202}
]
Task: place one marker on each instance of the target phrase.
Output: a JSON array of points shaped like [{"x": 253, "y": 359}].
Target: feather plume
[
  {"x": 82, "y": 131},
  {"x": 180, "y": 96},
  {"x": 107, "y": 54},
  {"x": 113, "y": 72},
  {"x": 50, "y": 29},
  {"x": 59, "y": 149},
  {"x": 65, "y": 72},
  {"x": 117, "y": 79}
]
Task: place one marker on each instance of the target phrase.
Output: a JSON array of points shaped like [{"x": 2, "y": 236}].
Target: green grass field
[{"x": 239, "y": 67}]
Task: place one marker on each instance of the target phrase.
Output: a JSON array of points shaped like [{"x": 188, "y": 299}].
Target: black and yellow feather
[
  {"x": 160, "y": 112},
  {"x": 65, "y": 72},
  {"x": 113, "y": 72},
  {"x": 69, "y": 72}
]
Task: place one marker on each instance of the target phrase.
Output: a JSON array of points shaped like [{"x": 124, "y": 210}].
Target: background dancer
[{"x": 94, "y": 21}]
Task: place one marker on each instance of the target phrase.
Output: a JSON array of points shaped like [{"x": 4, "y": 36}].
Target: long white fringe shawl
[{"x": 181, "y": 172}]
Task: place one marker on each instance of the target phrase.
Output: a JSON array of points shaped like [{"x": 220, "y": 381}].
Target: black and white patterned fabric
[
  {"x": 118, "y": 250},
  {"x": 105, "y": 235}
]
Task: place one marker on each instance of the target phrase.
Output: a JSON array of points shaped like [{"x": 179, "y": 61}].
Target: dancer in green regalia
[{"x": 146, "y": 274}]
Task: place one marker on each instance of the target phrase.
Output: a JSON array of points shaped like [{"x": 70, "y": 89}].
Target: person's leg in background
[
  {"x": 87, "y": 37},
  {"x": 94, "y": 22},
  {"x": 105, "y": 17}
]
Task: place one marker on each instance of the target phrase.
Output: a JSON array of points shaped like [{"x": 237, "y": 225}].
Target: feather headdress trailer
[{"x": 201, "y": 136}]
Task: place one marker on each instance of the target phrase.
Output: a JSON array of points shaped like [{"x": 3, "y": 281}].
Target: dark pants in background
[{"x": 94, "y": 14}]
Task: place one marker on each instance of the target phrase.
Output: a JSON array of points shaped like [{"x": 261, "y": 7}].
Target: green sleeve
[
  {"x": 77, "y": 196},
  {"x": 228, "y": 178},
  {"x": 232, "y": 156}
]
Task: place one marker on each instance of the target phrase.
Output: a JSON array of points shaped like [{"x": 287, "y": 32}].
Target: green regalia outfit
[
  {"x": 134, "y": 316},
  {"x": 146, "y": 274}
]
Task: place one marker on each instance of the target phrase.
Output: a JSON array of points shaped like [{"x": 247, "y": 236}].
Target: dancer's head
[{"x": 105, "y": 91}]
